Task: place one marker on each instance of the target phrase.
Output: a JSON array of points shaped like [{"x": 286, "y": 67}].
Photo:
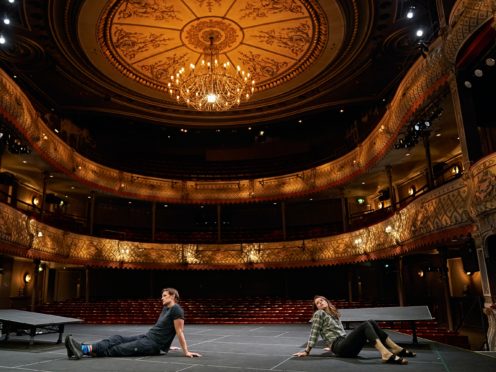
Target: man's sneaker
[
  {"x": 75, "y": 347},
  {"x": 70, "y": 354}
]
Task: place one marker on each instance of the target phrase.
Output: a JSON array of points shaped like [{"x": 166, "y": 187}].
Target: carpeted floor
[{"x": 231, "y": 348}]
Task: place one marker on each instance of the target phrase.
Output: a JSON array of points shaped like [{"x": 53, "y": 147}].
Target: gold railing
[{"x": 448, "y": 211}]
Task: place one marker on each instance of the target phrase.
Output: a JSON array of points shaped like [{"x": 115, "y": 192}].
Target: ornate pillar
[
  {"x": 283, "y": 220},
  {"x": 427, "y": 148},
  {"x": 46, "y": 176},
  {"x": 91, "y": 217},
  {"x": 442, "y": 16},
  {"x": 392, "y": 194},
  {"x": 446, "y": 292},
  {"x": 34, "y": 292},
  {"x": 399, "y": 281},
  {"x": 87, "y": 284},
  {"x": 350, "y": 283},
  {"x": 465, "y": 123},
  {"x": 219, "y": 223},
  {"x": 3, "y": 146},
  {"x": 491, "y": 331},
  {"x": 345, "y": 213},
  {"x": 154, "y": 219}
]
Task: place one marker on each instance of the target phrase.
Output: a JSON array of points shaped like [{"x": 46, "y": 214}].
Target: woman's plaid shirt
[{"x": 325, "y": 325}]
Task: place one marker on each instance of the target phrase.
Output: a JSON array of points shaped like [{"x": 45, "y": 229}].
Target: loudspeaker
[
  {"x": 469, "y": 257},
  {"x": 384, "y": 195}
]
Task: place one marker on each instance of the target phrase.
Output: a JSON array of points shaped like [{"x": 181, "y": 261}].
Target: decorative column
[
  {"x": 392, "y": 194},
  {"x": 427, "y": 148},
  {"x": 350, "y": 283},
  {"x": 87, "y": 284},
  {"x": 491, "y": 332},
  {"x": 441, "y": 14},
  {"x": 219, "y": 223},
  {"x": 91, "y": 219},
  {"x": 465, "y": 124},
  {"x": 446, "y": 292},
  {"x": 3, "y": 146},
  {"x": 154, "y": 219},
  {"x": 399, "y": 281},
  {"x": 345, "y": 213},
  {"x": 283, "y": 219},
  {"x": 46, "y": 176},
  {"x": 34, "y": 292}
]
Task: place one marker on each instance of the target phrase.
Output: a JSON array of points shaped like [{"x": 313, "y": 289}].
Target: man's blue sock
[{"x": 86, "y": 349}]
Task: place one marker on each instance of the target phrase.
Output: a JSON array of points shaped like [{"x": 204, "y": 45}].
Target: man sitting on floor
[{"x": 159, "y": 337}]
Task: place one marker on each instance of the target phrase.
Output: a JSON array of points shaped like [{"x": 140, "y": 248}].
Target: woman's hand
[
  {"x": 189, "y": 354},
  {"x": 301, "y": 354}
]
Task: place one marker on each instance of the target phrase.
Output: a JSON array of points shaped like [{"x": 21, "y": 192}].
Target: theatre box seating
[{"x": 229, "y": 311}]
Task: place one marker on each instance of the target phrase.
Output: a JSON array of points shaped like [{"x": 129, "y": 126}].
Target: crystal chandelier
[{"x": 211, "y": 86}]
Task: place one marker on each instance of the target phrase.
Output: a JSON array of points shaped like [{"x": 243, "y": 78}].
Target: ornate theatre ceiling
[
  {"x": 98, "y": 72},
  {"x": 278, "y": 42}
]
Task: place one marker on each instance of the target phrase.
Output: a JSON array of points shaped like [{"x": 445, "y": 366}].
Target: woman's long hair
[{"x": 331, "y": 309}]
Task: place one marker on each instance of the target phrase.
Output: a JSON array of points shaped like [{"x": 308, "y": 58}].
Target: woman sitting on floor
[{"x": 325, "y": 322}]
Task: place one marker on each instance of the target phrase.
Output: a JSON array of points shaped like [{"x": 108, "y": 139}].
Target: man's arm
[{"x": 179, "y": 327}]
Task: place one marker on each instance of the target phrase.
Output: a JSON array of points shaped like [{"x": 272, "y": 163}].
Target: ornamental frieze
[
  {"x": 158, "y": 10},
  {"x": 264, "y": 9}
]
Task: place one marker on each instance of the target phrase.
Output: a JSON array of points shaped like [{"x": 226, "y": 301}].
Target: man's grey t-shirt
[{"x": 163, "y": 332}]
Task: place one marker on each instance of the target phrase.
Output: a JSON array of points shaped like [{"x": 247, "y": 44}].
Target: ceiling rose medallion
[{"x": 275, "y": 43}]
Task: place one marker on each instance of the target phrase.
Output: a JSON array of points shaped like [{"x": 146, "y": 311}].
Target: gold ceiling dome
[{"x": 278, "y": 42}]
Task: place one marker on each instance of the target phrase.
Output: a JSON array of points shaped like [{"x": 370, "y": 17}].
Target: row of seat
[{"x": 258, "y": 310}]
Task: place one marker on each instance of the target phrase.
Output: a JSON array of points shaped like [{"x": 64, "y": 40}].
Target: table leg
[
  {"x": 61, "y": 333},
  {"x": 32, "y": 333},
  {"x": 414, "y": 333}
]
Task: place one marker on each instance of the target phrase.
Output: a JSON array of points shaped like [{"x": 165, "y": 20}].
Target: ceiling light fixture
[
  {"x": 210, "y": 85},
  {"x": 411, "y": 12}
]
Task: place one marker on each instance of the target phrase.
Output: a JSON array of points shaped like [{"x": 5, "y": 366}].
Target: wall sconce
[
  {"x": 360, "y": 200},
  {"x": 35, "y": 201},
  {"x": 358, "y": 242},
  {"x": 26, "y": 278},
  {"x": 420, "y": 273},
  {"x": 468, "y": 273},
  {"x": 380, "y": 205},
  {"x": 412, "y": 190},
  {"x": 388, "y": 229},
  {"x": 455, "y": 170}
]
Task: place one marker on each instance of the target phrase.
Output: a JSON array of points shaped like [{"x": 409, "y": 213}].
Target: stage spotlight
[
  {"x": 419, "y": 32},
  {"x": 490, "y": 62},
  {"x": 467, "y": 84},
  {"x": 410, "y": 13},
  {"x": 2, "y": 39},
  {"x": 478, "y": 72}
]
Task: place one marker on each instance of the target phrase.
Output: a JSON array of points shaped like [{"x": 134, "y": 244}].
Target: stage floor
[{"x": 231, "y": 348}]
